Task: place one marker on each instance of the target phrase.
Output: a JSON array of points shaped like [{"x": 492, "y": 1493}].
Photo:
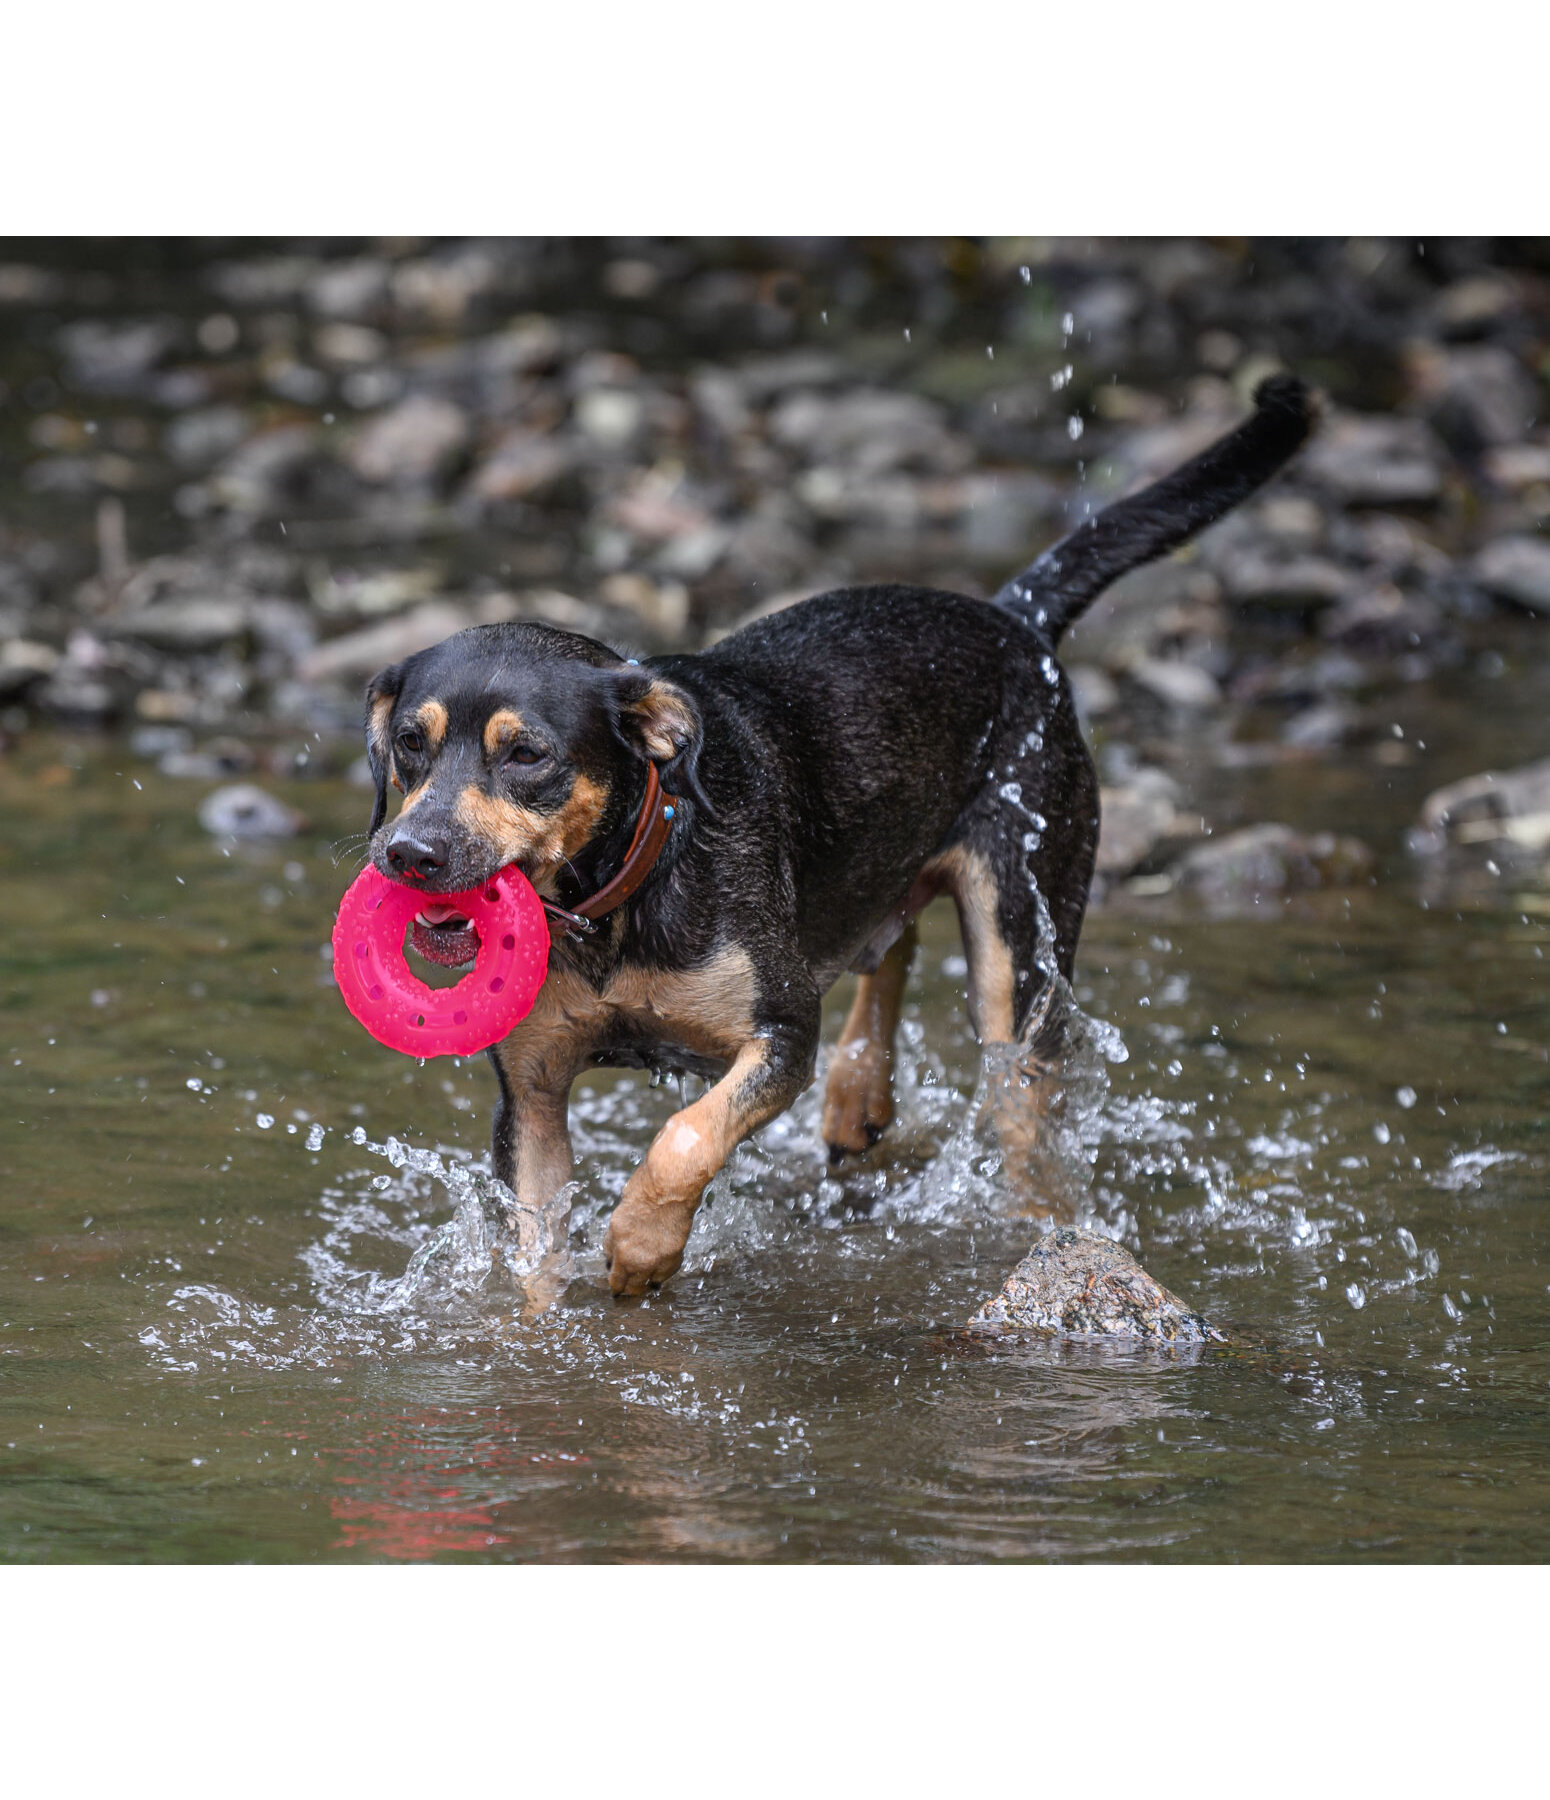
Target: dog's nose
[{"x": 417, "y": 858}]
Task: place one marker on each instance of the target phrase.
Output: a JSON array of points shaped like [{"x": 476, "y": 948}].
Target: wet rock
[
  {"x": 359, "y": 654},
  {"x": 210, "y": 762},
  {"x": 347, "y": 593},
  {"x": 871, "y": 431},
  {"x": 412, "y": 444},
  {"x": 185, "y": 624},
  {"x": 349, "y": 290},
  {"x": 247, "y": 812},
  {"x": 1094, "y": 691},
  {"x": 1518, "y": 467},
  {"x": 523, "y": 465},
  {"x": 1384, "y": 620},
  {"x": 1516, "y": 569},
  {"x": 199, "y": 439},
  {"x": 1257, "y": 578},
  {"x": 1500, "y": 809},
  {"x": 1073, "y": 1283},
  {"x": 111, "y": 357},
  {"x": 1137, "y": 816},
  {"x": 1475, "y": 396},
  {"x": 662, "y": 607},
  {"x": 1476, "y": 303},
  {"x": 268, "y": 469},
  {"x": 1374, "y": 461},
  {"x": 1273, "y": 859},
  {"x": 1325, "y": 726},
  {"x": 23, "y": 663},
  {"x": 1182, "y": 685}
]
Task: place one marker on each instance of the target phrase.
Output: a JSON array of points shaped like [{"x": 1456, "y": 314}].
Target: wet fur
[{"x": 836, "y": 765}]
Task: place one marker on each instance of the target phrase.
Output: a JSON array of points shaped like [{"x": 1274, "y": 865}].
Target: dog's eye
[
  {"x": 410, "y": 742},
  {"x": 526, "y": 755}
]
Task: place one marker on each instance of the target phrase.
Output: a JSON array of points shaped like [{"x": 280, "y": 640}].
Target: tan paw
[
  {"x": 644, "y": 1244},
  {"x": 857, "y": 1101}
]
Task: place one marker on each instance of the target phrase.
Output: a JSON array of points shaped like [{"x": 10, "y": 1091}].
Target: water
[{"x": 252, "y": 1305}]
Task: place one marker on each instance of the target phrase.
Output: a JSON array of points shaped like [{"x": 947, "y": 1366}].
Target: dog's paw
[
  {"x": 857, "y": 1101},
  {"x": 644, "y": 1244}
]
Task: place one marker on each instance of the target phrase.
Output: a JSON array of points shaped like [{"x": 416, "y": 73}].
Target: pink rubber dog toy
[{"x": 404, "y": 1013}]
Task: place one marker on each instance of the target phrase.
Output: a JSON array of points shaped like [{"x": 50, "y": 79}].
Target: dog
[{"x": 719, "y": 836}]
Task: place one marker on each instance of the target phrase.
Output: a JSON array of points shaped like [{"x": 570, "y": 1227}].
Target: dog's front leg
[
  {"x": 646, "y": 1236},
  {"x": 530, "y": 1147}
]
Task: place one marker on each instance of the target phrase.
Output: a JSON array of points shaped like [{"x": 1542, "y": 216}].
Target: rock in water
[
  {"x": 245, "y": 811},
  {"x": 1076, "y": 1284}
]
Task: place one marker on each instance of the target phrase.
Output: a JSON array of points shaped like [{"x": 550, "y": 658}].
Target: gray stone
[
  {"x": 1257, "y": 578},
  {"x": 1374, "y": 461},
  {"x": 1500, "y": 809},
  {"x": 871, "y": 431},
  {"x": 198, "y": 439},
  {"x": 523, "y": 465},
  {"x": 23, "y": 662},
  {"x": 1136, "y": 817},
  {"x": 411, "y": 444},
  {"x": 258, "y": 473},
  {"x": 1075, "y": 1284},
  {"x": 359, "y": 654},
  {"x": 1516, "y": 569},
  {"x": 1273, "y": 859},
  {"x": 1479, "y": 393},
  {"x": 1178, "y": 684},
  {"x": 245, "y": 811},
  {"x": 187, "y": 623}
]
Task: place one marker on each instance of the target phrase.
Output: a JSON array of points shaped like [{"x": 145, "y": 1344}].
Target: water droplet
[
  {"x": 264, "y": 1121},
  {"x": 1405, "y": 1096},
  {"x": 1357, "y": 1295}
]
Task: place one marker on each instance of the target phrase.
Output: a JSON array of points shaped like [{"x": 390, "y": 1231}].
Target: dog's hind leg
[
  {"x": 858, "y": 1096},
  {"x": 1015, "y": 1007}
]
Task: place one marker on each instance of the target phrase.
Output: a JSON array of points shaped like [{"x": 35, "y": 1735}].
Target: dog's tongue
[{"x": 443, "y": 935}]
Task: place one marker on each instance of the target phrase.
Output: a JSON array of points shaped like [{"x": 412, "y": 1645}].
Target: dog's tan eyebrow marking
[
  {"x": 431, "y": 717},
  {"x": 499, "y": 729}
]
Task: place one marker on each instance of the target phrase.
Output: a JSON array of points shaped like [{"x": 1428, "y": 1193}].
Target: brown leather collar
[{"x": 657, "y": 812}]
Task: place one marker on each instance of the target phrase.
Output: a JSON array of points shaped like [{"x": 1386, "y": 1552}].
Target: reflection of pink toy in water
[{"x": 404, "y": 1013}]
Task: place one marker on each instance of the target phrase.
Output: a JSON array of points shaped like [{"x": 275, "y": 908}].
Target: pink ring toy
[{"x": 404, "y": 1013}]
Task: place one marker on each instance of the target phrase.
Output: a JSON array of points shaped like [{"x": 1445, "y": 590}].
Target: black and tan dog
[{"x": 722, "y": 835}]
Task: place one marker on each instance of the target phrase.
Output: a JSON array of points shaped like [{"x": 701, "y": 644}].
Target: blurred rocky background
[{"x": 237, "y": 477}]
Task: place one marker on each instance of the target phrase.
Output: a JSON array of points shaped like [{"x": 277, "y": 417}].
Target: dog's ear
[
  {"x": 381, "y": 691},
  {"x": 661, "y": 722}
]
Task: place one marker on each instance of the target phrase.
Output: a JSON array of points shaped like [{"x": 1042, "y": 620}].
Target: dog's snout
[{"x": 419, "y": 858}]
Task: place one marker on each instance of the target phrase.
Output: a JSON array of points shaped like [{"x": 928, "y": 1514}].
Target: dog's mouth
[{"x": 442, "y": 935}]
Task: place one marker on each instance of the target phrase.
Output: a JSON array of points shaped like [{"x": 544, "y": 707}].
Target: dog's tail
[{"x": 1070, "y": 575}]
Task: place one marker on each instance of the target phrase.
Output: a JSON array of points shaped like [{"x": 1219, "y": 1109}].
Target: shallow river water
[{"x": 217, "y": 1340}]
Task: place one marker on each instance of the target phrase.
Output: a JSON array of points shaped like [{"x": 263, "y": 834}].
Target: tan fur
[
  {"x": 1023, "y": 1095},
  {"x": 650, "y": 1225},
  {"x": 858, "y": 1097},
  {"x": 666, "y": 720},
  {"x": 431, "y": 717},
  {"x": 499, "y": 730},
  {"x": 708, "y": 1010},
  {"x": 542, "y": 841},
  {"x": 992, "y": 992}
]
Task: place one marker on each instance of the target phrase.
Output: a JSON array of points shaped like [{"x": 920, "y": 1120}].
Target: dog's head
[{"x": 516, "y": 744}]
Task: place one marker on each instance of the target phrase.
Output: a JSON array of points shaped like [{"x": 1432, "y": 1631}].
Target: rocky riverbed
[{"x": 239, "y": 477}]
